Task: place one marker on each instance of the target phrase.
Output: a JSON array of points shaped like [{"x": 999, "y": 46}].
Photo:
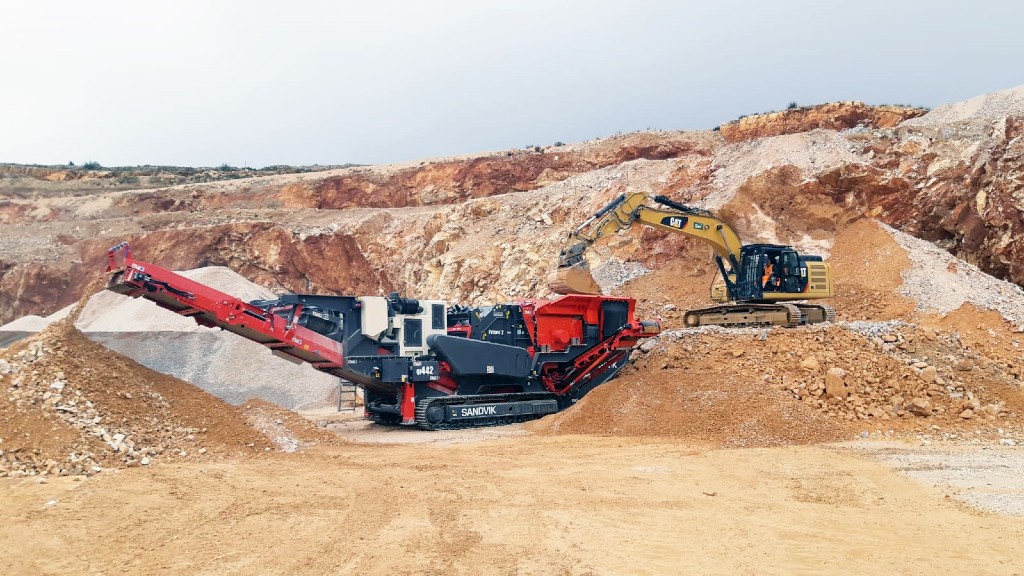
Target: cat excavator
[{"x": 761, "y": 284}]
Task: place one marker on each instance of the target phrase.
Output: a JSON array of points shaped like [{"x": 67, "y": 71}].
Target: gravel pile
[
  {"x": 72, "y": 407},
  {"x": 940, "y": 282},
  {"x": 111, "y": 312},
  {"x": 30, "y": 323},
  {"x": 993, "y": 106}
]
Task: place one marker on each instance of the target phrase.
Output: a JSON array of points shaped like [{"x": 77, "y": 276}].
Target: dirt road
[{"x": 536, "y": 505}]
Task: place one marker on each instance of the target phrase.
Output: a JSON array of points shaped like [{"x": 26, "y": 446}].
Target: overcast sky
[{"x": 307, "y": 82}]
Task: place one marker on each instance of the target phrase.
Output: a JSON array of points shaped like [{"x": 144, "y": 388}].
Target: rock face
[
  {"x": 489, "y": 227},
  {"x": 833, "y": 116},
  {"x": 967, "y": 194}
]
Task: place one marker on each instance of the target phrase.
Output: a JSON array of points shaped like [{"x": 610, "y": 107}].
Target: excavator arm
[{"x": 573, "y": 273}]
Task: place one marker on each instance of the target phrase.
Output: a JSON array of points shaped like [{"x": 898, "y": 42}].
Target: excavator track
[
  {"x": 795, "y": 315},
  {"x": 478, "y": 411},
  {"x": 817, "y": 313},
  {"x": 748, "y": 315}
]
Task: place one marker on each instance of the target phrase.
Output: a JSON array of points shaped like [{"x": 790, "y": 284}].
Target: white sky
[{"x": 258, "y": 83}]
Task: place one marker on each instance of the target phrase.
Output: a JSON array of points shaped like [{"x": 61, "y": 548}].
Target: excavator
[{"x": 762, "y": 284}]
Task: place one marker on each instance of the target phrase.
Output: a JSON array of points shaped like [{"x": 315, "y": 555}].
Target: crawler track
[
  {"x": 429, "y": 417},
  {"x": 785, "y": 314}
]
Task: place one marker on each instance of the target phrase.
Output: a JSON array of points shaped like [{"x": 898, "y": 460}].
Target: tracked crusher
[{"x": 420, "y": 362}]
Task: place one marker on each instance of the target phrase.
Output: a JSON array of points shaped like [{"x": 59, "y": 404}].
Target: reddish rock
[{"x": 832, "y": 116}]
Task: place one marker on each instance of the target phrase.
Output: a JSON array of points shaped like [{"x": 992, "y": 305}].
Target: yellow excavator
[{"x": 762, "y": 284}]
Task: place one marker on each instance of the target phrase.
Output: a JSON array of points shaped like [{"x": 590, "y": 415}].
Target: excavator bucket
[{"x": 573, "y": 280}]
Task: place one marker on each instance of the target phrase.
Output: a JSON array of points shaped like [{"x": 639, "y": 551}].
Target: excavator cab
[{"x": 771, "y": 272}]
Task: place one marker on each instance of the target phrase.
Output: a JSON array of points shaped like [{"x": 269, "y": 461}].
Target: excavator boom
[{"x": 573, "y": 274}]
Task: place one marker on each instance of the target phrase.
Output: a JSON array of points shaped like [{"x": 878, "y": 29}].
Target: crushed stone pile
[
  {"x": 73, "y": 407},
  {"x": 30, "y": 323},
  {"x": 111, "y": 312}
]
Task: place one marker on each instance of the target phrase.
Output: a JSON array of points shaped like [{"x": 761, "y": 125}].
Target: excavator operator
[{"x": 769, "y": 281}]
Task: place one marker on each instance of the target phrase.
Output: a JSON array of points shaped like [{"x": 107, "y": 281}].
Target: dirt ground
[{"x": 536, "y": 505}]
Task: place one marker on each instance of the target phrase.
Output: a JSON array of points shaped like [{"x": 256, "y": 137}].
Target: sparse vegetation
[
  {"x": 559, "y": 143},
  {"x": 902, "y": 106},
  {"x": 226, "y": 168},
  {"x": 792, "y": 106},
  {"x": 92, "y": 165}
]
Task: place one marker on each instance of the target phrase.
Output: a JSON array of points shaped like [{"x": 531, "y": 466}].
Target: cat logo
[{"x": 677, "y": 222}]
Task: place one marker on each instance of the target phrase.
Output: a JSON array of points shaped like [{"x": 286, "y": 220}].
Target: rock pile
[
  {"x": 737, "y": 387},
  {"x": 72, "y": 407},
  {"x": 938, "y": 281},
  {"x": 910, "y": 372}
]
